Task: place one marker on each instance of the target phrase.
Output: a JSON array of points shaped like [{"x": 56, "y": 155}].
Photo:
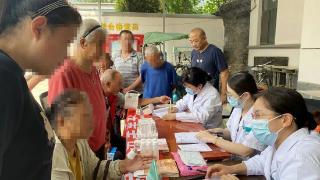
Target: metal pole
[
  {"x": 100, "y": 11},
  {"x": 164, "y": 25}
]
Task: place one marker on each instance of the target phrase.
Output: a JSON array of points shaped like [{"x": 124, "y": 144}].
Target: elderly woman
[
  {"x": 72, "y": 157},
  {"x": 78, "y": 72}
]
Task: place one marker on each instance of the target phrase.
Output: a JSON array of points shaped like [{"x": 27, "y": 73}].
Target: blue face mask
[
  {"x": 234, "y": 102},
  {"x": 261, "y": 131},
  {"x": 190, "y": 91}
]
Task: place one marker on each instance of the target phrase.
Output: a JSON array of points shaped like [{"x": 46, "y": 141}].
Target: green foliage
[
  {"x": 172, "y": 6},
  {"x": 211, "y": 6},
  {"x": 181, "y": 6},
  {"x": 93, "y": 1},
  {"x": 148, "y": 6}
]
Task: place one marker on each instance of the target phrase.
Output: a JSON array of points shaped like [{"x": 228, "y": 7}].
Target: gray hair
[
  {"x": 85, "y": 28},
  {"x": 151, "y": 50},
  {"x": 108, "y": 75}
]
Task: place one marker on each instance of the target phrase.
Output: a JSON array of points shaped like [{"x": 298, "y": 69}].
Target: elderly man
[
  {"x": 210, "y": 59},
  {"x": 111, "y": 81},
  {"x": 128, "y": 62},
  {"x": 78, "y": 72},
  {"x": 72, "y": 157},
  {"x": 159, "y": 77}
]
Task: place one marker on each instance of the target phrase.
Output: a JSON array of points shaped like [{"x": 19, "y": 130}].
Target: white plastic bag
[{"x": 131, "y": 100}]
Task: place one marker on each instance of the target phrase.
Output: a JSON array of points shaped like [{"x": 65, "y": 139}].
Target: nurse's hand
[
  {"x": 169, "y": 116},
  {"x": 206, "y": 137},
  {"x": 228, "y": 177},
  {"x": 218, "y": 170}
]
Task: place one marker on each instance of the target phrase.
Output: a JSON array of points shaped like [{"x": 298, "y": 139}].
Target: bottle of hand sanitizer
[{"x": 175, "y": 97}]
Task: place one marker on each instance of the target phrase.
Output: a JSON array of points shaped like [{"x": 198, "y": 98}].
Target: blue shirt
[
  {"x": 210, "y": 60},
  {"x": 159, "y": 81}
]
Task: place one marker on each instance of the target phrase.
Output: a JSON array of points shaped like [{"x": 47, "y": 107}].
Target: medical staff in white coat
[
  {"x": 237, "y": 138},
  {"x": 282, "y": 122},
  {"x": 202, "y": 102}
]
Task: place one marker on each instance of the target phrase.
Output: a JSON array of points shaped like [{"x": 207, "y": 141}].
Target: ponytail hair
[
  {"x": 195, "y": 76},
  {"x": 283, "y": 100},
  {"x": 242, "y": 82},
  {"x": 208, "y": 77},
  {"x": 311, "y": 122}
]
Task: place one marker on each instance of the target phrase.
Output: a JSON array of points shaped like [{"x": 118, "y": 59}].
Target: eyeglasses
[{"x": 256, "y": 115}]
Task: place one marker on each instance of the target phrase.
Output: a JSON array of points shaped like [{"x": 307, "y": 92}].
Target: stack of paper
[
  {"x": 186, "y": 138},
  {"x": 193, "y": 144},
  {"x": 159, "y": 106},
  {"x": 161, "y": 112},
  {"x": 195, "y": 147},
  {"x": 192, "y": 158}
]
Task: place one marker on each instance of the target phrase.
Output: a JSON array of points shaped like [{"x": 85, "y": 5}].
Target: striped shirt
[{"x": 129, "y": 68}]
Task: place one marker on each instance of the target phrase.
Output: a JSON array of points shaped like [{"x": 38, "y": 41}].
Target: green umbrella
[{"x": 159, "y": 37}]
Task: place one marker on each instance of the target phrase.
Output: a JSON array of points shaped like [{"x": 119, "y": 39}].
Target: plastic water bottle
[
  {"x": 175, "y": 97},
  {"x": 146, "y": 147},
  {"x": 155, "y": 149},
  {"x": 132, "y": 154},
  {"x": 139, "y": 113}
]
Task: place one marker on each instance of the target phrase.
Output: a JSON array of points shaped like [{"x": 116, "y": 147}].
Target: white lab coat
[
  {"x": 205, "y": 109},
  {"x": 235, "y": 125},
  {"x": 297, "y": 158}
]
